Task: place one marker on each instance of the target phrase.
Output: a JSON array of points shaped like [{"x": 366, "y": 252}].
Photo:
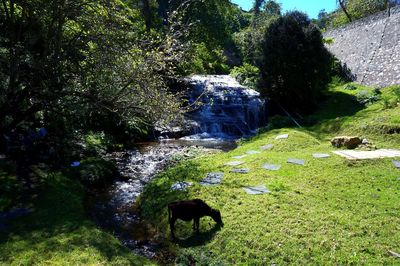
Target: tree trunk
[
  {"x": 343, "y": 6},
  {"x": 147, "y": 14}
]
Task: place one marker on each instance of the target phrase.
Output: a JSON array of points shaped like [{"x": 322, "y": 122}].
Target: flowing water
[{"x": 228, "y": 111}]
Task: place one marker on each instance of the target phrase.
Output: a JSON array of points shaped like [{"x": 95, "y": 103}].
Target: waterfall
[{"x": 228, "y": 110}]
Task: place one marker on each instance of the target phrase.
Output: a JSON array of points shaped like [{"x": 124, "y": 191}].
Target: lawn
[
  {"x": 56, "y": 231},
  {"x": 329, "y": 211}
]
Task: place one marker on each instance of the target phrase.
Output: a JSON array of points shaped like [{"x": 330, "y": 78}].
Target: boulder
[{"x": 346, "y": 141}]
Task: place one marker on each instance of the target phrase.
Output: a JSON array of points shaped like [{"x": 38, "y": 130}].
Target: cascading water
[{"x": 228, "y": 110}]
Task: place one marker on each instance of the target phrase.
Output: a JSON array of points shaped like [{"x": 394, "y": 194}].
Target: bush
[
  {"x": 95, "y": 172},
  {"x": 296, "y": 66},
  {"x": 366, "y": 97},
  {"x": 247, "y": 75}
]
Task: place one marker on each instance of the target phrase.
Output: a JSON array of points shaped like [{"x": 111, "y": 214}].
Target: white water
[{"x": 228, "y": 111}]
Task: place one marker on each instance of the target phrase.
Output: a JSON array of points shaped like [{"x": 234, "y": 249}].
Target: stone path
[
  {"x": 283, "y": 136},
  {"x": 212, "y": 179},
  {"x": 267, "y": 147},
  {"x": 181, "y": 186},
  {"x": 361, "y": 155},
  {"x": 234, "y": 163},
  {"x": 272, "y": 167},
  {"x": 296, "y": 161},
  {"x": 321, "y": 155},
  {"x": 240, "y": 170},
  {"x": 239, "y": 156},
  {"x": 257, "y": 190},
  {"x": 252, "y": 152}
]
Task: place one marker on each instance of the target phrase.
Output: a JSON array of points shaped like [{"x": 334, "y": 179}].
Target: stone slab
[
  {"x": 295, "y": 161},
  {"x": 272, "y": 167},
  {"x": 257, "y": 190},
  {"x": 283, "y": 136},
  {"x": 214, "y": 178},
  {"x": 234, "y": 163},
  {"x": 240, "y": 170},
  {"x": 321, "y": 155},
  {"x": 181, "y": 186},
  {"x": 267, "y": 147},
  {"x": 239, "y": 156},
  {"x": 362, "y": 155},
  {"x": 396, "y": 164},
  {"x": 252, "y": 152}
]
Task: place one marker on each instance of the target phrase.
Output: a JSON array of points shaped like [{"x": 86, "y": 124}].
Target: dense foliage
[{"x": 296, "y": 65}]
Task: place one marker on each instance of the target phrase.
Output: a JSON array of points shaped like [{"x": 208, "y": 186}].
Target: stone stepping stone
[
  {"x": 267, "y": 147},
  {"x": 296, "y": 161},
  {"x": 252, "y": 152},
  {"x": 272, "y": 167},
  {"x": 181, "y": 186},
  {"x": 396, "y": 164},
  {"x": 234, "y": 163},
  {"x": 283, "y": 136},
  {"x": 362, "y": 155},
  {"x": 239, "y": 156},
  {"x": 321, "y": 155},
  {"x": 240, "y": 170},
  {"x": 212, "y": 179},
  {"x": 257, "y": 190}
]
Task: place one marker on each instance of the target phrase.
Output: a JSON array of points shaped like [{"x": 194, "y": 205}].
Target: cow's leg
[
  {"x": 172, "y": 221},
  {"x": 197, "y": 222},
  {"x": 194, "y": 224}
]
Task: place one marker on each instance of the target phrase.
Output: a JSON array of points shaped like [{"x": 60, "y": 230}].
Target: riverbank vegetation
[
  {"x": 80, "y": 79},
  {"x": 329, "y": 211}
]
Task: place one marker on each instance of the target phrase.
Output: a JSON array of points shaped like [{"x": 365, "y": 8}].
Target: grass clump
[{"x": 330, "y": 211}]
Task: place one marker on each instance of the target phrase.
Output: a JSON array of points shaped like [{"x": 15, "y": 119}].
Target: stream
[{"x": 113, "y": 208}]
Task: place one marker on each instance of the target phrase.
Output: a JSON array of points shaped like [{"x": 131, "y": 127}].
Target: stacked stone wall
[{"x": 370, "y": 48}]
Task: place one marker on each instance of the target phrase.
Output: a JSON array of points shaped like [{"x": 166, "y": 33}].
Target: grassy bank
[
  {"x": 330, "y": 211},
  {"x": 56, "y": 231}
]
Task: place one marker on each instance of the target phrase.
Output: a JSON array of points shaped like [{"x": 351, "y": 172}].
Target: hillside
[{"x": 329, "y": 211}]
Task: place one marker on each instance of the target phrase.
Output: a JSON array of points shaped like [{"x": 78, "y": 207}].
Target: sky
[{"x": 311, "y": 7}]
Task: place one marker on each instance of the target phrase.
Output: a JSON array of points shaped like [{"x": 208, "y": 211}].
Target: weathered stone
[
  {"x": 212, "y": 179},
  {"x": 234, "y": 163},
  {"x": 239, "y": 156},
  {"x": 396, "y": 164},
  {"x": 267, "y": 147},
  {"x": 240, "y": 170},
  {"x": 346, "y": 141},
  {"x": 272, "y": 167},
  {"x": 252, "y": 152},
  {"x": 360, "y": 155},
  {"x": 257, "y": 190},
  {"x": 296, "y": 161},
  {"x": 321, "y": 155},
  {"x": 181, "y": 186},
  {"x": 283, "y": 136}
]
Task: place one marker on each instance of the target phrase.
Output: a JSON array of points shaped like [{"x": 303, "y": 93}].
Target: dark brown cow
[{"x": 187, "y": 210}]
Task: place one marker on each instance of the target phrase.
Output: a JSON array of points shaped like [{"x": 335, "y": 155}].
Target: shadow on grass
[
  {"x": 58, "y": 227},
  {"x": 198, "y": 239}
]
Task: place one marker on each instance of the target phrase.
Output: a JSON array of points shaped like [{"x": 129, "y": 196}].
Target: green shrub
[
  {"x": 366, "y": 96},
  {"x": 95, "y": 172},
  {"x": 247, "y": 75}
]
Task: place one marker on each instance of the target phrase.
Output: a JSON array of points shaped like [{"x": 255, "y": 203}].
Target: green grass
[
  {"x": 330, "y": 211},
  {"x": 57, "y": 232}
]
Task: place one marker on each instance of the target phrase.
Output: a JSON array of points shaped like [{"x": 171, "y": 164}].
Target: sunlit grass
[{"x": 330, "y": 211}]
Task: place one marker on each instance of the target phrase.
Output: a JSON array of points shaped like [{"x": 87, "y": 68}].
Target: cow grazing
[{"x": 187, "y": 210}]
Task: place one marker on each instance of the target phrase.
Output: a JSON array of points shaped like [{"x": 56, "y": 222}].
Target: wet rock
[
  {"x": 321, "y": 155},
  {"x": 349, "y": 142},
  {"x": 296, "y": 161},
  {"x": 240, "y": 170},
  {"x": 181, "y": 186}
]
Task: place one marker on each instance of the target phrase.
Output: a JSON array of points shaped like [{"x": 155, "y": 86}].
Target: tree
[{"x": 295, "y": 69}]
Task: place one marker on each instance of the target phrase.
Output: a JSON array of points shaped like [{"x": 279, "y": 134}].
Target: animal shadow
[{"x": 198, "y": 239}]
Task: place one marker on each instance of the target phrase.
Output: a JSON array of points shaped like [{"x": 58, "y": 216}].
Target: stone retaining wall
[{"x": 370, "y": 47}]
